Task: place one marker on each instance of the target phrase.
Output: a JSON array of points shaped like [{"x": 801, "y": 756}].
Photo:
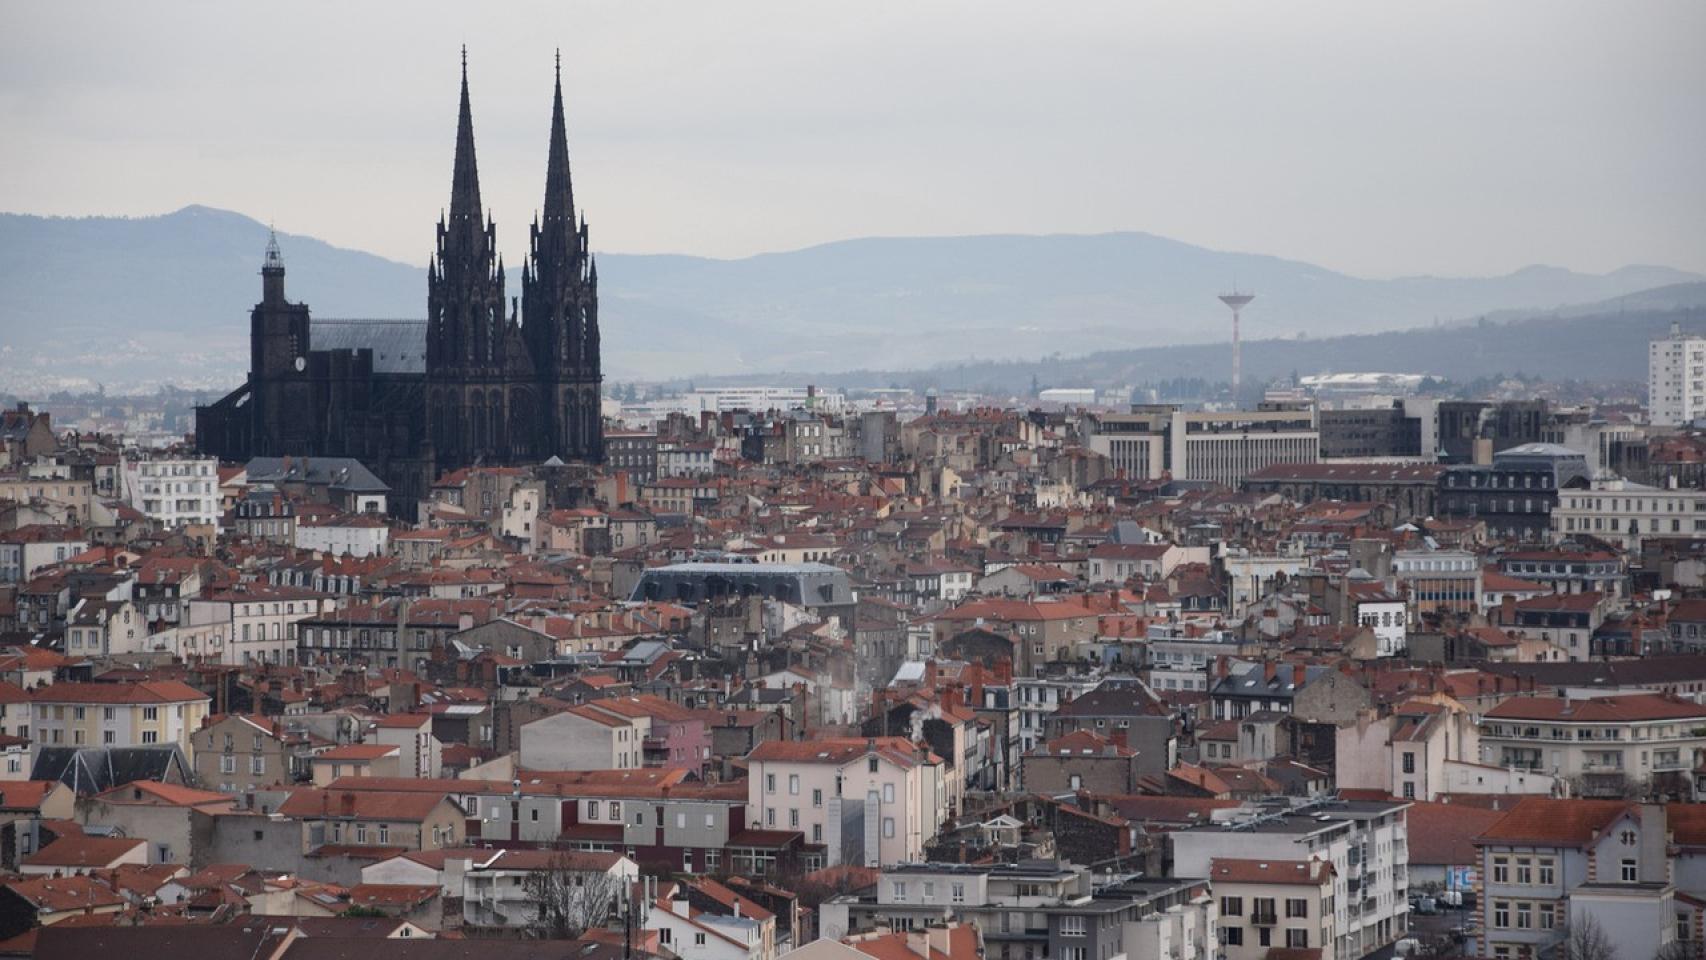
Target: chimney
[
  {"x": 349, "y": 803},
  {"x": 1298, "y": 672},
  {"x": 1269, "y": 671},
  {"x": 1119, "y": 737}
]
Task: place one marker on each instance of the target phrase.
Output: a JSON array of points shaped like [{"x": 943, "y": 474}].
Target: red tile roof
[
  {"x": 1547, "y": 822},
  {"x": 1225, "y": 870},
  {"x": 1632, "y": 708}
]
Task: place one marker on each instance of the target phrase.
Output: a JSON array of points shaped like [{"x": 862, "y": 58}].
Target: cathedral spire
[
  {"x": 559, "y": 190},
  {"x": 465, "y": 178}
]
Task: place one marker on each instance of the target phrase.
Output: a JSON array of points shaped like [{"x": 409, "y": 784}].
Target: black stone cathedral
[{"x": 470, "y": 385}]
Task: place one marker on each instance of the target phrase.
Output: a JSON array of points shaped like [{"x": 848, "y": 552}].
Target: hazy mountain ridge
[{"x": 161, "y": 286}]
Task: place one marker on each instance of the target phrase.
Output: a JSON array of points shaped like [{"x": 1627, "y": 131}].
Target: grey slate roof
[
  {"x": 339, "y": 473},
  {"x": 399, "y": 346}
]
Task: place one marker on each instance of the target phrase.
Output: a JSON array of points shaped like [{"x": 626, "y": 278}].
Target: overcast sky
[{"x": 1375, "y": 138}]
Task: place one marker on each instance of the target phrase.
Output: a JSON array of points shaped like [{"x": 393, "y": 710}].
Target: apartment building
[
  {"x": 1038, "y": 908},
  {"x": 252, "y": 623},
  {"x": 1366, "y": 842},
  {"x": 1603, "y": 745},
  {"x": 29, "y": 549},
  {"x": 118, "y": 714},
  {"x": 238, "y": 753},
  {"x": 1267, "y": 904},
  {"x": 1548, "y": 862},
  {"x": 371, "y": 818},
  {"x": 1622, "y": 512},
  {"x": 1223, "y": 447},
  {"x": 584, "y": 738},
  {"x": 867, "y": 801},
  {"x": 1439, "y": 580},
  {"x": 174, "y": 492},
  {"x": 1676, "y": 378}
]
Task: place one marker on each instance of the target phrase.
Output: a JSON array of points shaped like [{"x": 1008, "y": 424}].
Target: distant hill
[
  {"x": 152, "y": 298},
  {"x": 1600, "y": 342}
]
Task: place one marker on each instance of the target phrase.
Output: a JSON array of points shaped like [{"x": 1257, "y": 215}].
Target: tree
[
  {"x": 1586, "y": 940},
  {"x": 569, "y": 899}
]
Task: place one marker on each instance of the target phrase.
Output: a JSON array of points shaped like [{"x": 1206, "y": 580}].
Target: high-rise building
[
  {"x": 1676, "y": 378},
  {"x": 475, "y": 383}
]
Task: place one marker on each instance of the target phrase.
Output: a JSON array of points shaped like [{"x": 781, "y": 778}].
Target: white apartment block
[
  {"x": 174, "y": 493},
  {"x": 1218, "y": 447},
  {"x": 1367, "y": 842},
  {"x": 1622, "y": 513},
  {"x": 1676, "y": 379}
]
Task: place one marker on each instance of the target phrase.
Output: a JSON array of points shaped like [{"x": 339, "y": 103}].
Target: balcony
[{"x": 1264, "y": 919}]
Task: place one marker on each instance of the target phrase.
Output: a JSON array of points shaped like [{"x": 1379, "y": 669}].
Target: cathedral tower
[
  {"x": 473, "y": 354},
  {"x": 560, "y": 299}
]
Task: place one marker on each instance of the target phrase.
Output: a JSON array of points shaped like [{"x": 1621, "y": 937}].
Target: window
[
  {"x": 1524, "y": 871},
  {"x": 794, "y": 818},
  {"x": 258, "y": 766},
  {"x": 1501, "y": 914},
  {"x": 1629, "y": 872},
  {"x": 1409, "y": 790},
  {"x": 1298, "y": 939},
  {"x": 227, "y": 764},
  {"x": 817, "y": 797},
  {"x": 770, "y": 783},
  {"x": 592, "y": 809},
  {"x": 150, "y": 713},
  {"x": 794, "y": 784},
  {"x": 698, "y": 939},
  {"x": 888, "y": 793},
  {"x": 1524, "y": 915},
  {"x": 871, "y": 765},
  {"x": 148, "y": 736},
  {"x": 1296, "y": 907},
  {"x": 1548, "y": 916},
  {"x": 615, "y": 812},
  {"x": 899, "y": 891},
  {"x": 1232, "y": 906},
  {"x": 1075, "y": 953},
  {"x": 1072, "y": 926},
  {"x": 1547, "y": 876},
  {"x": 1409, "y": 763},
  {"x": 1232, "y": 936},
  {"x": 888, "y": 827},
  {"x": 957, "y": 892},
  {"x": 1501, "y": 870}
]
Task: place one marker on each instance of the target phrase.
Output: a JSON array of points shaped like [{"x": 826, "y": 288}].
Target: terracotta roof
[
  {"x": 147, "y": 691},
  {"x": 84, "y": 851},
  {"x": 56, "y": 894},
  {"x": 1444, "y": 833},
  {"x": 309, "y": 804},
  {"x": 1548, "y": 822},
  {"x": 1224, "y": 870},
  {"x": 1635, "y": 707}
]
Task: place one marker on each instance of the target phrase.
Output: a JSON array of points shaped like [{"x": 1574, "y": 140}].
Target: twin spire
[{"x": 465, "y": 209}]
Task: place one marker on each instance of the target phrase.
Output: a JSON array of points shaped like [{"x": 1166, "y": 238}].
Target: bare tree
[
  {"x": 1586, "y": 940},
  {"x": 569, "y": 900}
]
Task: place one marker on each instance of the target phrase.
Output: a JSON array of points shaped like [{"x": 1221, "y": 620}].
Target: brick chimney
[
  {"x": 1270, "y": 669},
  {"x": 1298, "y": 672}
]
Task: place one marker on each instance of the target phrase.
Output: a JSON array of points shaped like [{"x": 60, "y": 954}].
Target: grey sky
[{"x": 1374, "y": 138}]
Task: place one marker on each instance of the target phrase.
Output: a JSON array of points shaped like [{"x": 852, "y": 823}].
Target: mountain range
[{"x": 166, "y": 298}]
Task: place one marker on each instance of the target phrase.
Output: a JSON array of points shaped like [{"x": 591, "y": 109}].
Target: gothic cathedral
[{"x": 473, "y": 384}]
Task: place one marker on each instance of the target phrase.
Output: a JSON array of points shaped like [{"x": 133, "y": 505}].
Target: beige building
[
  {"x": 363, "y": 818},
  {"x": 240, "y": 752},
  {"x": 892, "y": 790},
  {"x": 1274, "y": 904},
  {"x": 1603, "y": 745},
  {"x": 118, "y": 714}
]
